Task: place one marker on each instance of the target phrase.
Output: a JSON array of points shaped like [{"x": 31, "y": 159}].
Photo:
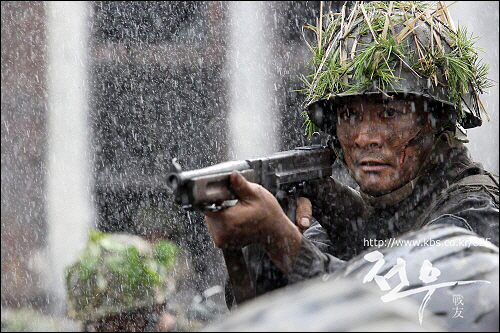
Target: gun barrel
[{"x": 196, "y": 189}]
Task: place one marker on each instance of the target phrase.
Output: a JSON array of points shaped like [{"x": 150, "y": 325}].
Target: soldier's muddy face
[{"x": 385, "y": 142}]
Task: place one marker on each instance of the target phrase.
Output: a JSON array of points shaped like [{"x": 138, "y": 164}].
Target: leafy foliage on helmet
[
  {"x": 118, "y": 272},
  {"x": 396, "y": 46}
]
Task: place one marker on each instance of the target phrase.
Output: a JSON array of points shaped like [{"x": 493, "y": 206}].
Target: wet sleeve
[
  {"x": 318, "y": 237},
  {"x": 312, "y": 262},
  {"x": 314, "y": 258}
]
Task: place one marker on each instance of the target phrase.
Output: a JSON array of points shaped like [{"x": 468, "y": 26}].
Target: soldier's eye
[{"x": 389, "y": 113}]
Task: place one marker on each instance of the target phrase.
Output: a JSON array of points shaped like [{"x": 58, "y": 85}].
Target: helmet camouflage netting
[
  {"x": 117, "y": 273},
  {"x": 387, "y": 47}
]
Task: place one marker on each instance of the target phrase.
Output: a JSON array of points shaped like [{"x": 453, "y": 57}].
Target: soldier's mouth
[{"x": 372, "y": 165}]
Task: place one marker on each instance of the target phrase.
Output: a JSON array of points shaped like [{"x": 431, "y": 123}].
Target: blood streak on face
[
  {"x": 385, "y": 142},
  {"x": 403, "y": 152}
]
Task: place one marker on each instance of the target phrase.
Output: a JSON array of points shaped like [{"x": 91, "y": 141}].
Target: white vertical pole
[
  {"x": 251, "y": 115},
  {"x": 69, "y": 207}
]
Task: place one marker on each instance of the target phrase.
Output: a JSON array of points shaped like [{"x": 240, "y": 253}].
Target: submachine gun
[{"x": 285, "y": 174}]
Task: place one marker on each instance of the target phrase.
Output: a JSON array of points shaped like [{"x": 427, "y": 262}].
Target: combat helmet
[
  {"x": 118, "y": 273},
  {"x": 389, "y": 48}
]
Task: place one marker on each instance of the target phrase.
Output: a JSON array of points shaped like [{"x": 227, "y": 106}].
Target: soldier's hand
[
  {"x": 303, "y": 213},
  {"x": 258, "y": 218},
  {"x": 255, "y": 218}
]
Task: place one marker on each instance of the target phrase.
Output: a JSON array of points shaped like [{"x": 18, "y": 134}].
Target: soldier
[
  {"x": 394, "y": 86},
  {"x": 121, "y": 282}
]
